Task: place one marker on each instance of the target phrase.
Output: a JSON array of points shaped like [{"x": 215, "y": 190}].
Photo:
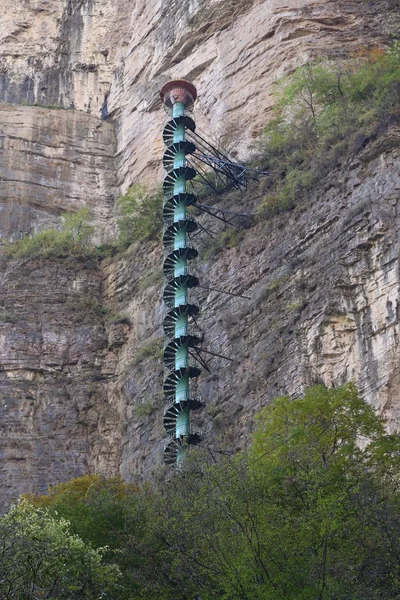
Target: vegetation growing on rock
[
  {"x": 326, "y": 112},
  {"x": 141, "y": 215},
  {"x": 141, "y": 219},
  {"x": 311, "y": 511},
  {"x": 74, "y": 238}
]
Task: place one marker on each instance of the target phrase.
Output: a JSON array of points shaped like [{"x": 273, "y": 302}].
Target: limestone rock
[
  {"x": 111, "y": 57},
  {"x": 324, "y": 308},
  {"x": 79, "y": 394},
  {"x": 54, "y": 161},
  {"x": 55, "y": 420}
]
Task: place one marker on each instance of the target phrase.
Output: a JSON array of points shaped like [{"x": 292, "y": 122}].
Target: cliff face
[
  {"x": 324, "y": 308},
  {"x": 80, "y": 393},
  {"x": 115, "y": 55},
  {"x": 234, "y": 51},
  {"x": 60, "y": 52},
  {"x": 55, "y": 419},
  {"x": 53, "y": 161}
]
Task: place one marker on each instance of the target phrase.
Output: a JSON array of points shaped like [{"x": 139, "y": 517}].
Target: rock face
[
  {"x": 79, "y": 381},
  {"x": 55, "y": 419},
  {"x": 111, "y": 57},
  {"x": 60, "y": 52},
  {"x": 324, "y": 308},
  {"x": 234, "y": 51},
  {"x": 53, "y": 161}
]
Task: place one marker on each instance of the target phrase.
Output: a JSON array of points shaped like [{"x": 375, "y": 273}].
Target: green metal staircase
[{"x": 181, "y": 339}]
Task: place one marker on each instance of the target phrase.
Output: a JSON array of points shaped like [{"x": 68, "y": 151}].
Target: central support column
[
  {"x": 178, "y": 97},
  {"x": 182, "y": 353}
]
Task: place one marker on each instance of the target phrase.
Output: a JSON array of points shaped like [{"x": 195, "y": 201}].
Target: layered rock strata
[
  {"x": 110, "y": 58},
  {"x": 80, "y": 386},
  {"x": 55, "y": 420},
  {"x": 234, "y": 52},
  {"x": 324, "y": 308},
  {"x": 54, "y": 161}
]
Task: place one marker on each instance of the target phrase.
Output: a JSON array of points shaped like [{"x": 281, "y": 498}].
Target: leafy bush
[
  {"x": 78, "y": 501},
  {"x": 106, "y": 250},
  {"x": 105, "y": 513},
  {"x": 325, "y": 112},
  {"x": 141, "y": 215},
  {"x": 310, "y": 511},
  {"x": 40, "y": 558},
  {"x": 73, "y": 239}
]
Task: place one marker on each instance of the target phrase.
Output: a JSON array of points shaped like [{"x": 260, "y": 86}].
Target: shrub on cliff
[
  {"x": 324, "y": 113},
  {"x": 73, "y": 239},
  {"x": 141, "y": 215}
]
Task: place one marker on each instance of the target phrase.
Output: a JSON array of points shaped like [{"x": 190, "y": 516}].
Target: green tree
[
  {"x": 104, "y": 513},
  {"x": 311, "y": 511},
  {"x": 325, "y": 475},
  {"x": 40, "y": 559},
  {"x": 76, "y": 226}
]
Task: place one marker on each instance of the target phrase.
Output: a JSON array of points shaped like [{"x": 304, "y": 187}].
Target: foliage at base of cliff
[
  {"x": 41, "y": 559},
  {"x": 310, "y": 511},
  {"x": 325, "y": 113}
]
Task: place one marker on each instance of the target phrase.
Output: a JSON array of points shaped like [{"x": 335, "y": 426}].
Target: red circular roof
[{"x": 178, "y": 83}]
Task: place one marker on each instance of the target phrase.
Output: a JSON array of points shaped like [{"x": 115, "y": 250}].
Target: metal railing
[
  {"x": 168, "y": 196},
  {"x": 170, "y": 247},
  {"x": 190, "y": 331},
  {"x": 181, "y": 363},
  {"x": 169, "y": 166},
  {"x": 182, "y": 270},
  {"x": 176, "y": 334},
  {"x": 168, "y": 134},
  {"x": 171, "y": 401},
  {"x": 183, "y": 299},
  {"x": 185, "y": 431},
  {"x": 179, "y": 272},
  {"x": 172, "y": 220},
  {"x": 182, "y": 396}
]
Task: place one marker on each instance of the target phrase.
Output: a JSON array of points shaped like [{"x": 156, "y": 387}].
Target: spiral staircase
[{"x": 181, "y": 368}]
